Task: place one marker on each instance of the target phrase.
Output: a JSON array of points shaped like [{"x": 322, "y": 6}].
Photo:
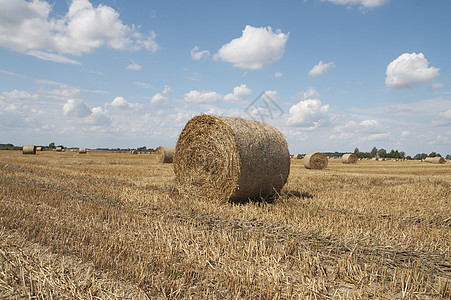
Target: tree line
[{"x": 395, "y": 154}]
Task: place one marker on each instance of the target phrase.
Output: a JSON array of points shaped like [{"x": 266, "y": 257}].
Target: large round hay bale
[
  {"x": 133, "y": 152},
  {"x": 315, "y": 160},
  {"x": 231, "y": 159},
  {"x": 349, "y": 158},
  {"x": 165, "y": 154},
  {"x": 29, "y": 149},
  {"x": 82, "y": 151},
  {"x": 38, "y": 148},
  {"x": 435, "y": 160},
  {"x": 59, "y": 149},
  {"x": 298, "y": 156}
]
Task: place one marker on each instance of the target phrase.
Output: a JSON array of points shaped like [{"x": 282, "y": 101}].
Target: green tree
[
  {"x": 356, "y": 150},
  {"x": 382, "y": 153},
  {"x": 52, "y": 145},
  {"x": 374, "y": 152}
]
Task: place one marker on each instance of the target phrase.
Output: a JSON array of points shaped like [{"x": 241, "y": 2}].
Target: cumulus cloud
[
  {"x": 76, "y": 108},
  {"x": 278, "y": 75},
  {"x": 308, "y": 112},
  {"x": 25, "y": 26},
  {"x": 121, "y": 103},
  {"x": 409, "y": 69},
  {"x": 321, "y": 68},
  {"x": 238, "y": 93},
  {"x": 256, "y": 46},
  {"x": 98, "y": 117},
  {"x": 360, "y": 3},
  {"x": 159, "y": 98},
  {"x": 198, "y": 97},
  {"x": 134, "y": 67},
  {"x": 197, "y": 55},
  {"x": 444, "y": 118}
]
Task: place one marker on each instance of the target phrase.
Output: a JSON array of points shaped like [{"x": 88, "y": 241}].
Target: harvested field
[{"x": 115, "y": 226}]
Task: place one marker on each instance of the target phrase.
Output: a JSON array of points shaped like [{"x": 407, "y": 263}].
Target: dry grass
[{"x": 114, "y": 226}]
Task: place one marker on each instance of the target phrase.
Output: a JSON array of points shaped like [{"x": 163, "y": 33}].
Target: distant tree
[
  {"x": 402, "y": 154},
  {"x": 448, "y": 157},
  {"x": 356, "y": 150},
  {"x": 382, "y": 153},
  {"x": 143, "y": 148},
  {"x": 52, "y": 145},
  {"x": 374, "y": 152},
  {"x": 420, "y": 156},
  {"x": 409, "y": 157}
]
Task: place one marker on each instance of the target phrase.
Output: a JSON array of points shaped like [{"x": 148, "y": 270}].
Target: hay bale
[
  {"x": 82, "y": 151},
  {"x": 315, "y": 160},
  {"x": 29, "y": 149},
  {"x": 38, "y": 148},
  {"x": 133, "y": 152},
  {"x": 165, "y": 154},
  {"x": 435, "y": 160},
  {"x": 298, "y": 156},
  {"x": 231, "y": 159},
  {"x": 59, "y": 149},
  {"x": 349, "y": 158}
]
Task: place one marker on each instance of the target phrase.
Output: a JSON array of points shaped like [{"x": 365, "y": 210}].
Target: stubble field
[{"x": 116, "y": 226}]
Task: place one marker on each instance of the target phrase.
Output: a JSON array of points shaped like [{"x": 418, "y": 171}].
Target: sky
[{"x": 331, "y": 75}]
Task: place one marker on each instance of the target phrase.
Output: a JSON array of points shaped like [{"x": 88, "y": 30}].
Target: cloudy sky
[{"x": 331, "y": 75}]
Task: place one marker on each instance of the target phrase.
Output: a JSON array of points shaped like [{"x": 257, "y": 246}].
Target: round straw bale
[
  {"x": 165, "y": 154},
  {"x": 29, "y": 149},
  {"x": 133, "y": 152},
  {"x": 38, "y": 148},
  {"x": 59, "y": 149},
  {"x": 349, "y": 158},
  {"x": 82, "y": 151},
  {"x": 231, "y": 159},
  {"x": 435, "y": 160},
  {"x": 315, "y": 160},
  {"x": 298, "y": 156}
]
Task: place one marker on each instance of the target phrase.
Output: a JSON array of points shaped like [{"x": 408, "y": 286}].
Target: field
[{"x": 116, "y": 226}]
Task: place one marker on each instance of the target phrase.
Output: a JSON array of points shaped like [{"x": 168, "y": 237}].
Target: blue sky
[{"x": 336, "y": 74}]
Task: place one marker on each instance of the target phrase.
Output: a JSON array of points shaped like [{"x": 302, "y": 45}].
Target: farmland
[{"x": 115, "y": 225}]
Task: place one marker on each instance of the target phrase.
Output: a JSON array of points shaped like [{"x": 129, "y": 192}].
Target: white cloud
[
  {"x": 76, "y": 108},
  {"x": 167, "y": 89},
  {"x": 98, "y": 117},
  {"x": 26, "y": 27},
  {"x": 257, "y": 46},
  {"x": 444, "y": 118},
  {"x": 360, "y": 3},
  {"x": 409, "y": 69},
  {"x": 134, "y": 67},
  {"x": 238, "y": 93},
  {"x": 158, "y": 98},
  {"x": 195, "y": 96},
  {"x": 278, "y": 75},
  {"x": 197, "y": 55},
  {"x": 308, "y": 112},
  {"x": 321, "y": 68},
  {"x": 437, "y": 85},
  {"x": 121, "y": 103}
]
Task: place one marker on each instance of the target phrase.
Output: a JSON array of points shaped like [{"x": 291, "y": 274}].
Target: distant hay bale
[
  {"x": 133, "y": 152},
  {"x": 82, "y": 151},
  {"x": 29, "y": 149},
  {"x": 298, "y": 156},
  {"x": 349, "y": 158},
  {"x": 315, "y": 160},
  {"x": 59, "y": 149},
  {"x": 38, "y": 148},
  {"x": 435, "y": 160},
  {"x": 231, "y": 159},
  {"x": 165, "y": 154}
]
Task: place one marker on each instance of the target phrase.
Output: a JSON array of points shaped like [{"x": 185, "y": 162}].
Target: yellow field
[{"x": 114, "y": 226}]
